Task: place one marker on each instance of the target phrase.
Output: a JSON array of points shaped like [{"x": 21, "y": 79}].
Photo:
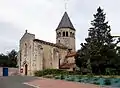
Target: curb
[{"x": 31, "y": 85}]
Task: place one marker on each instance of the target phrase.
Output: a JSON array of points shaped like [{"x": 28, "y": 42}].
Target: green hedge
[
  {"x": 77, "y": 77},
  {"x": 55, "y": 72}
]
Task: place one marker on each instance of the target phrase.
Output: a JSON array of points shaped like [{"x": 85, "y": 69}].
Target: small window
[
  {"x": 63, "y": 33},
  {"x": 70, "y": 34},
  {"x": 66, "y": 34},
  {"x": 73, "y": 34},
  {"x": 59, "y": 34},
  {"x": 25, "y": 49},
  {"x": 58, "y": 41}
]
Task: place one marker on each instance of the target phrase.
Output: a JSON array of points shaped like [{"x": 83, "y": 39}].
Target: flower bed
[
  {"x": 93, "y": 80},
  {"x": 76, "y": 77}
]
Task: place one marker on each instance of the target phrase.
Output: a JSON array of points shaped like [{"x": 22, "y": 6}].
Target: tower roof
[{"x": 65, "y": 22}]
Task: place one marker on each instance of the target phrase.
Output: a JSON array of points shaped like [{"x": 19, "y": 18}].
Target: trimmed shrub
[
  {"x": 50, "y": 72},
  {"x": 57, "y": 77},
  {"x": 62, "y": 77},
  {"x": 55, "y": 72},
  {"x": 48, "y": 76},
  {"x": 39, "y": 73},
  {"x": 97, "y": 83},
  {"x": 107, "y": 82}
]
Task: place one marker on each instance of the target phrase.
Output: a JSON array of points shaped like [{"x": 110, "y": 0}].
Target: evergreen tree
[
  {"x": 12, "y": 56},
  {"x": 99, "y": 52},
  {"x": 3, "y": 60}
]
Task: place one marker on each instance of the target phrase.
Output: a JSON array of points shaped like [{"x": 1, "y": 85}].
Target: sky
[{"x": 41, "y": 17}]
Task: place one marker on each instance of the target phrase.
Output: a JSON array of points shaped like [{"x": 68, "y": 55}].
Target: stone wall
[
  {"x": 69, "y": 40},
  {"x": 39, "y": 55},
  {"x": 26, "y": 52},
  {"x": 12, "y": 71},
  {"x": 48, "y": 56}
]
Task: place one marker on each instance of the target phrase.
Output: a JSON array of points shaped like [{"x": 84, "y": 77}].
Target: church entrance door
[{"x": 26, "y": 69}]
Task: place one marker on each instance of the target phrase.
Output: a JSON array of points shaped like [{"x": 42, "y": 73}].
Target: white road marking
[{"x": 31, "y": 85}]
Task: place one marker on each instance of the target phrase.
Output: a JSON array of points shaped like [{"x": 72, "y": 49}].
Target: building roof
[
  {"x": 72, "y": 54},
  {"x": 65, "y": 22},
  {"x": 67, "y": 65},
  {"x": 51, "y": 44}
]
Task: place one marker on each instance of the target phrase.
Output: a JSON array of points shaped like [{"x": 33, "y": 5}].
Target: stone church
[{"x": 35, "y": 54}]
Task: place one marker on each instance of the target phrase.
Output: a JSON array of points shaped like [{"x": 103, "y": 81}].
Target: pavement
[
  {"x": 35, "y": 82},
  {"x": 16, "y": 82},
  {"x": 51, "y": 83}
]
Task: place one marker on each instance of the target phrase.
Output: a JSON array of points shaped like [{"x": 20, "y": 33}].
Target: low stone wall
[{"x": 11, "y": 71}]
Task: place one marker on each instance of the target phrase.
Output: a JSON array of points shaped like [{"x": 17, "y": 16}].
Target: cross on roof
[{"x": 66, "y": 2}]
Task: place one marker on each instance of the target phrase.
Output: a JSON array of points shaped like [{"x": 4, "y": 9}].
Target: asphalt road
[{"x": 15, "y": 81}]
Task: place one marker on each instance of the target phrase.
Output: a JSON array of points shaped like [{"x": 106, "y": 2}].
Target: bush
[
  {"x": 38, "y": 73},
  {"x": 51, "y": 72},
  {"x": 62, "y": 77},
  {"x": 55, "y": 72},
  {"x": 57, "y": 77},
  {"x": 97, "y": 83},
  {"x": 107, "y": 82},
  {"x": 48, "y": 76}
]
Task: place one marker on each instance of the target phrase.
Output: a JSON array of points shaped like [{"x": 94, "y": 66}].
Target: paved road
[
  {"x": 51, "y": 83},
  {"x": 15, "y": 82}
]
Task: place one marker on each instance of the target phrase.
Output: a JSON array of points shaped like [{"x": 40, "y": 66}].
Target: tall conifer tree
[{"x": 99, "y": 51}]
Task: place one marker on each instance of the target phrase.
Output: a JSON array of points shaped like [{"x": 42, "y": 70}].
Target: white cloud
[{"x": 42, "y": 17}]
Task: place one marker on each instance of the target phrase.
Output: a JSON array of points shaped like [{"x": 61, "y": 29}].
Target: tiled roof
[
  {"x": 65, "y": 22},
  {"x": 71, "y": 54},
  {"x": 51, "y": 44},
  {"x": 67, "y": 65}
]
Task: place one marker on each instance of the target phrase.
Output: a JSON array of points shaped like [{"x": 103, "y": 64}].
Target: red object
[{"x": 21, "y": 70}]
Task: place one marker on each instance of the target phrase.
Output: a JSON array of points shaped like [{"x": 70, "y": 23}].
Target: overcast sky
[{"x": 41, "y": 17}]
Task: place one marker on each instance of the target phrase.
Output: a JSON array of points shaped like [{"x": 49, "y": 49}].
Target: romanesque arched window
[
  {"x": 66, "y": 34},
  {"x": 58, "y": 41},
  {"x": 25, "y": 49},
  {"x": 63, "y": 34},
  {"x": 40, "y": 49},
  {"x": 70, "y": 34},
  {"x": 59, "y": 34},
  {"x": 55, "y": 60},
  {"x": 73, "y": 35}
]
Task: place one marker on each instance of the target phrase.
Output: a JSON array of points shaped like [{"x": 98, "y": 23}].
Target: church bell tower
[{"x": 65, "y": 32}]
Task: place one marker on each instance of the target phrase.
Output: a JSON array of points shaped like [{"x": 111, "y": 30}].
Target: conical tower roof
[{"x": 65, "y": 22}]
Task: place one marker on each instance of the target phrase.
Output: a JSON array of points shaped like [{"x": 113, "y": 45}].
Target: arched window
[
  {"x": 40, "y": 49},
  {"x": 63, "y": 34},
  {"x": 58, "y": 41},
  {"x": 70, "y": 34},
  {"x": 25, "y": 49},
  {"x": 66, "y": 34},
  {"x": 59, "y": 34},
  {"x": 73, "y": 35}
]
